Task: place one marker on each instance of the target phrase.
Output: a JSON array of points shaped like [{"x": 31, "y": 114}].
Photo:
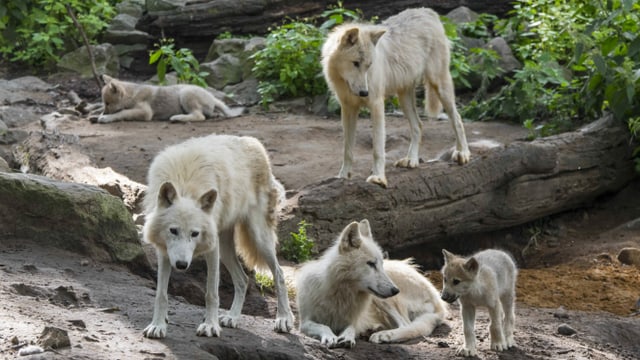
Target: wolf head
[
  {"x": 354, "y": 56},
  {"x": 362, "y": 260},
  {"x": 112, "y": 95},
  {"x": 181, "y": 226},
  {"x": 458, "y": 275}
]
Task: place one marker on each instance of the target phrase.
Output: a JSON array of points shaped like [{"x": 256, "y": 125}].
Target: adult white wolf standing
[
  {"x": 201, "y": 195},
  {"x": 351, "y": 291},
  {"x": 364, "y": 63}
]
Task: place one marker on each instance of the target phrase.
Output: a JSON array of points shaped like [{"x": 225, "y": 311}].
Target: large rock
[
  {"x": 225, "y": 70},
  {"x": 14, "y": 116},
  {"x": 105, "y": 57},
  {"x": 26, "y": 89},
  {"x": 70, "y": 216}
]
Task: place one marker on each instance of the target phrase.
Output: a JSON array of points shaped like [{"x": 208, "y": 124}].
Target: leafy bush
[
  {"x": 38, "y": 32},
  {"x": 182, "y": 62},
  {"x": 298, "y": 247}
]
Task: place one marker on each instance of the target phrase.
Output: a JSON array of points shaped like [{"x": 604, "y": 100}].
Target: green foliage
[
  {"x": 182, "y": 62},
  {"x": 264, "y": 282},
  {"x": 289, "y": 65},
  {"x": 298, "y": 247},
  {"x": 38, "y": 32}
]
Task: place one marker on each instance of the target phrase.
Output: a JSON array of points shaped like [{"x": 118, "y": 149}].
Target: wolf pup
[
  {"x": 350, "y": 291},
  {"x": 127, "y": 101},
  {"x": 363, "y": 63},
  {"x": 213, "y": 196},
  {"x": 488, "y": 279}
]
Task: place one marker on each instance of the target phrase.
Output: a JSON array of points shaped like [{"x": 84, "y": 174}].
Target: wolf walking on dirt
[
  {"x": 487, "y": 279},
  {"x": 364, "y": 63},
  {"x": 213, "y": 196},
  {"x": 127, "y": 101},
  {"x": 351, "y": 291}
]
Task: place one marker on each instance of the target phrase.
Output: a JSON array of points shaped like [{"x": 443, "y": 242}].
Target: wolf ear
[
  {"x": 471, "y": 265},
  {"x": 208, "y": 199},
  {"x": 376, "y": 35},
  {"x": 350, "y": 37},
  {"x": 447, "y": 256},
  {"x": 364, "y": 228},
  {"x": 167, "y": 195},
  {"x": 350, "y": 238},
  {"x": 106, "y": 78}
]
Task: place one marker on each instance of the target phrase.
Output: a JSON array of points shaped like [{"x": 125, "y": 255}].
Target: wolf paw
[
  {"x": 381, "y": 337},
  {"x": 330, "y": 341},
  {"x": 284, "y": 324},
  {"x": 347, "y": 342},
  {"x": 208, "y": 330},
  {"x": 464, "y": 351},
  {"x": 378, "y": 180},
  {"x": 229, "y": 321},
  {"x": 154, "y": 331},
  {"x": 499, "y": 346},
  {"x": 103, "y": 119},
  {"x": 407, "y": 163},
  {"x": 461, "y": 157}
]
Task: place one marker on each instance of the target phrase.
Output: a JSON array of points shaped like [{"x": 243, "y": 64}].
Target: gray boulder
[
  {"x": 225, "y": 70},
  {"x": 26, "y": 89},
  {"x": 508, "y": 62},
  {"x": 80, "y": 218},
  {"x": 14, "y": 116},
  {"x": 105, "y": 57}
]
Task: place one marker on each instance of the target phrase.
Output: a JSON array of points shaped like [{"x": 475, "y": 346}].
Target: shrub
[
  {"x": 38, "y": 32},
  {"x": 182, "y": 62},
  {"x": 298, "y": 247}
]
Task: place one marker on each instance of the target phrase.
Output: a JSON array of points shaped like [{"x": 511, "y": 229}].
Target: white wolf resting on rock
[
  {"x": 488, "y": 279},
  {"x": 364, "y": 63},
  {"x": 351, "y": 291},
  {"x": 213, "y": 196},
  {"x": 127, "y": 101}
]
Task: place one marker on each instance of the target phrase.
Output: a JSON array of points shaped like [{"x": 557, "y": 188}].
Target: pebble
[
  {"x": 566, "y": 330},
  {"x": 629, "y": 256},
  {"x": 561, "y": 313}
]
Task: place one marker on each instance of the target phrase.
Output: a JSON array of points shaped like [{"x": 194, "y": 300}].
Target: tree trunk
[
  {"x": 506, "y": 186},
  {"x": 197, "y": 23}
]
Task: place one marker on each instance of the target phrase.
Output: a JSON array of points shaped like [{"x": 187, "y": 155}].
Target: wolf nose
[
  {"x": 395, "y": 291},
  {"x": 181, "y": 265},
  {"x": 363, "y": 93}
]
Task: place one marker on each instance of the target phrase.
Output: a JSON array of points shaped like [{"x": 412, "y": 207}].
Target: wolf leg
[
  {"x": 509, "y": 318},
  {"x": 497, "y": 326},
  {"x": 240, "y": 280},
  {"x": 408, "y": 104},
  {"x": 210, "y": 326},
  {"x": 348, "y": 337},
  {"x": 194, "y": 115},
  {"x": 422, "y": 325},
  {"x": 446, "y": 93},
  {"x": 319, "y": 331},
  {"x": 377, "y": 118},
  {"x": 349, "y": 120},
  {"x": 140, "y": 113},
  {"x": 158, "y": 326},
  {"x": 468, "y": 322}
]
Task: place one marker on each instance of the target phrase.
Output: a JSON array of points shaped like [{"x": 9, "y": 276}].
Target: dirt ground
[{"x": 569, "y": 272}]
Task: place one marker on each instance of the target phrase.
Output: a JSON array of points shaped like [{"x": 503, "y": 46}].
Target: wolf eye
[
  {"x": 356, "y": 64},
  {"x": 195, "y": 233},
  {"x": 372, "y": 264},
  {"x": 456, "y": 281},
  {"x": 173, "y": 231}
]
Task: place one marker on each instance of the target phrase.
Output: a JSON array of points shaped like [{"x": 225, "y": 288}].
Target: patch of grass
[{"x": 298, "y": 248}]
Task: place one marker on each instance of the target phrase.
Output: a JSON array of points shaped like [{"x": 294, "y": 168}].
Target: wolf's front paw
[
  {"x": 511, "y": 342},
  {"x": 464, "y": 351},
  {"x": 284, "y": 324},
  {"x": 346, "y": 341},
  {"x": 155, "y": 331},
  {"x": 461, "y": 156},
  {"x": 378, "y": 180},
  {"x": 229, "y": 321},
  {"x": 103, "y": 119},
  {"x": 330, "y": 341},
  {"x": 499, "y": 345},
  {"x": 380, "y": 337},
  {"x": 407, "y": 163},
  {"x": 208, "y": 329}
]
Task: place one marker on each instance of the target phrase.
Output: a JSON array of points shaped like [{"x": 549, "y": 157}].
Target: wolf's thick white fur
[
  {"x": 350, "y": 291},
  {"x": 487, "y": 279},
  {"x": 364, "y": 63},
  {"x": 213, "y": 196},
  {"x": 127, "y": 101}
]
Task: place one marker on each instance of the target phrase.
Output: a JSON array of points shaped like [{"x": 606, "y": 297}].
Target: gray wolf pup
[
  {"x": 127, "y": 101},
  {"x": 364, "y": 63},
  {"x": 488, "y": 279},
  {"x": 213, "y": 196},
  {"x": 350, "y": 291}
]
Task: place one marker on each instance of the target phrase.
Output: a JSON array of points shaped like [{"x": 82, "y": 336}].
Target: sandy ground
[{"x": 568, "y": 275}]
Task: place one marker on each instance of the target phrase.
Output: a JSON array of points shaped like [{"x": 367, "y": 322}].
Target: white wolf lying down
[
  {"x": 201, "y": 195},
  {"x": 350, "y": 291},
  {"x": 127, "y": 101}
]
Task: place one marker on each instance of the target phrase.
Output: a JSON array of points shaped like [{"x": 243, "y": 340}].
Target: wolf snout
[
  {"x": 450, "y": 298},
  {"x": 182, "y": 265},
  {"x": 363, "y": 93},
  {"x": 394, "y": 291}
]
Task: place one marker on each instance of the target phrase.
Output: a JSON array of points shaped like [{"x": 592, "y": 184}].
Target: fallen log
[{"x": 505, "y": 186}]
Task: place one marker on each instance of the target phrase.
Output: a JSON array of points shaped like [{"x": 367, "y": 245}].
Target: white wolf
[
  {"x": 488, "y": 279},
  {"x": 364, "y": 63},
  {"x": 127, "y": 101},
  {"x": 201, "y": 195},
  {"x": 350, "y": 291}
]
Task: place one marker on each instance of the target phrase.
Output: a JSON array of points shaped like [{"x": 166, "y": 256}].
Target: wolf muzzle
[{"x": 450, "y": 298}]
